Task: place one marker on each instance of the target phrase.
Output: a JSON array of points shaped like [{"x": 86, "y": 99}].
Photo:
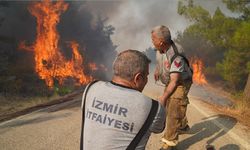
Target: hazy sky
[{"x": 134, "y": 19}]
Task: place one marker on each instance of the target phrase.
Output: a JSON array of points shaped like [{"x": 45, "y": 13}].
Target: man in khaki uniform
[{"x": 172, "y": 70}]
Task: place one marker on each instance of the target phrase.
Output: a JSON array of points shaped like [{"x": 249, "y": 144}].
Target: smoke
[
  {"x": 90, "y": 31},
  {"x": 134, "y": 19},
  {"x": 17, "y": 22},
  {"x": 85, "y": 22}
]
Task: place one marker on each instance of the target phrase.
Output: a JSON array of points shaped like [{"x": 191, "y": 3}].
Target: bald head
[{"x": 130, "y": 62}]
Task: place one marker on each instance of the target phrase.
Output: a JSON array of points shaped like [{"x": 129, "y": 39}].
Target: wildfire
[
  {"x": 198, "y": 76},
  {"x": 50, "y": 64}
]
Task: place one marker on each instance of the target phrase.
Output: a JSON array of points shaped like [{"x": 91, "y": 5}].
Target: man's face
[{"x": 157, "y": 42}]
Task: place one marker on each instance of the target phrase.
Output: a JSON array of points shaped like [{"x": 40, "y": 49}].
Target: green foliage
[
  {"x": 240, "y": 6},
  {"x": 235, "y": 66},
  {"x": 28, "y": 85},
  {"x": 242, "y": 103},
  {"x": 216, "y": 29},
  {"x": 193, "y": 13},
  {"x": 62, "y": 90},
  {"x": 227, "y": 35},
  {"x": 241, "y": 37},
  {"x": 221, "y": 29},
  {"x": 248, "y": 66},
  {"x": 232, "y": 69}
]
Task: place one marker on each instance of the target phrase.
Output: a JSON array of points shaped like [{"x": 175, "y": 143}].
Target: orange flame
[
  {"x": 198, "y": 67},
  {"x": 50, "y": 64}
]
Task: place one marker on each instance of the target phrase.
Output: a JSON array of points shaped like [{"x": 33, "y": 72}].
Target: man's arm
[
  {"x": 157, "y": 68},
  {"x": 174, "y": 78},
  {"x": 156, "y": 73},
  {"x": 177, "y": 67}
]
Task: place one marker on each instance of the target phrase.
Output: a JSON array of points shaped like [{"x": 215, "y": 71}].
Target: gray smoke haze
[
  {"x": 84, "y": 22},
  {"x": 134, "y": 19}
]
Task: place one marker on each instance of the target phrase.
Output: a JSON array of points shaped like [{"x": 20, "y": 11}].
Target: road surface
[
  {"x": 58, "y": 128},
  {"x": 207, "y": 126}
]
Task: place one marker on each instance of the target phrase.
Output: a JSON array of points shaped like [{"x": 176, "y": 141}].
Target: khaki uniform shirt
[{"x": 165, "y": 68}]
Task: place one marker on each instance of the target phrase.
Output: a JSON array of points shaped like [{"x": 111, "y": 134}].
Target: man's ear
[{"x": 138, "y": 77}]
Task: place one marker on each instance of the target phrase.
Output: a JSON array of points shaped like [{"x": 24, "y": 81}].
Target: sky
[{"x": 134, "y": 19}]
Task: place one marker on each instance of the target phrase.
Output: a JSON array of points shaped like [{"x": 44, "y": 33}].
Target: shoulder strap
[
  {"x": 176, "y": 53},
  {"x": 145, "y": 126},
  {"x": 83, "y": 112}
]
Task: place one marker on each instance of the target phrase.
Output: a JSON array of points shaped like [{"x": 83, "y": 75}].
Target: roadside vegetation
[
  {"x": 222, "y": 42},
  {"x": 14, "y": 104},
  {"x": 20, "y": 85}
]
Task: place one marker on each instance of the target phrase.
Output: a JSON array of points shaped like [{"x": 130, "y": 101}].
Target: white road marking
[{"x": 233, "y": 135}]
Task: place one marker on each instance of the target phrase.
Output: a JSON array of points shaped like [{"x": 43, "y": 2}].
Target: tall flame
[
  {"x": 50, "y": 64},
  {"x": 198, "y": 67}
]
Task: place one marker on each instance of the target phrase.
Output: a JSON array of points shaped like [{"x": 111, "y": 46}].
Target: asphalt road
[
  {"x": 58, "y": 128},
  {"x": 208, "y": 128}
]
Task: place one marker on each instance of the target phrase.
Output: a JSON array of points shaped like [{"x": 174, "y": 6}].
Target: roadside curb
[
  {"x": 232, "y": 134},
  {"x": 65, "y": 98}
]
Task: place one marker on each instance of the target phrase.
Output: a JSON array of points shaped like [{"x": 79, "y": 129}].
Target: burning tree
[
  {"x": 50, "y": 64},
  {"x": 76, "y": 43},
  {"x": 198, "y": 68}
]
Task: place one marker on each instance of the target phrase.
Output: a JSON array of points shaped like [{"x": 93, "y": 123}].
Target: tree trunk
[{"x": 247, "y": 88}]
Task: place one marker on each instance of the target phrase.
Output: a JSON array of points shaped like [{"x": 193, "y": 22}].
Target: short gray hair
[
  {"x": 130, "y": 62},
  {"x": 162, "y": 32}
]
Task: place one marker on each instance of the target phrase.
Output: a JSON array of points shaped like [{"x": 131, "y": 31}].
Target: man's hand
[
  {"x": 162, "y": 101},
  {"x": 156, "y": 75}
]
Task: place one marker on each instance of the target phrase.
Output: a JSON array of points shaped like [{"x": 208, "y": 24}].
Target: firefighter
[
  {"x": 114, "y": 112},
  {"x": 173, "y": 70}
]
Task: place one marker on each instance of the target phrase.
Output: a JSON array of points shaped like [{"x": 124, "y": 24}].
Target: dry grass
[
  {"x": 240, "y": 109},
  {"x": 242, "y": 116},
  {"x": 14, "y": 104}
]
